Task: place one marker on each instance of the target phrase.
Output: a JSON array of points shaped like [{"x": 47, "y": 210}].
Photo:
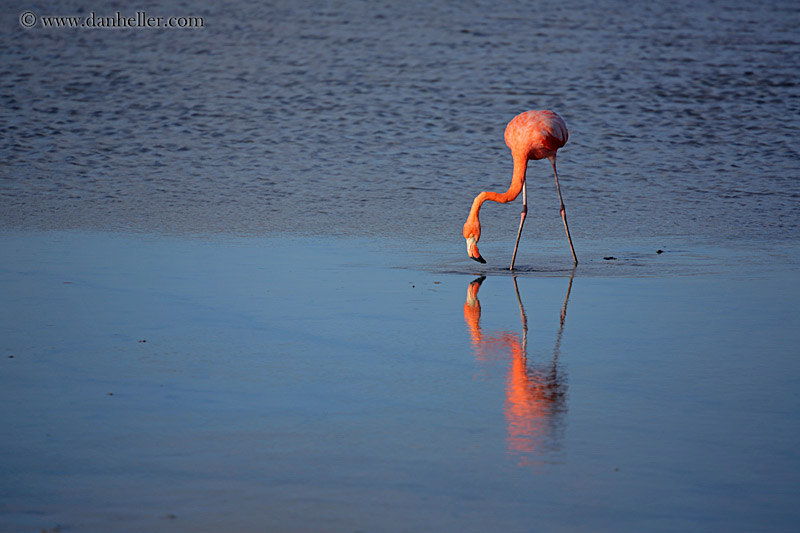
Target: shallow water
[
  {"x": 155, "y": 383},
  {"x": 235, "y": 293}
]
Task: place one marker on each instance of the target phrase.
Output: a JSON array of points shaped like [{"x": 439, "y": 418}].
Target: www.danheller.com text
[{"x": 141, "y": 19}]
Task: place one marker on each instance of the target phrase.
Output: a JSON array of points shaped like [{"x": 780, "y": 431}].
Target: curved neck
[{"x": 517, "y": 181}]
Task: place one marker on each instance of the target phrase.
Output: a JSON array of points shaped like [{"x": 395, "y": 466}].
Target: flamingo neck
[{"x": 517, "y": 181}]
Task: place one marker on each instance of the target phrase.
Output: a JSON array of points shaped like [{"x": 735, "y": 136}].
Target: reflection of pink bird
[
  {"x": 535, "y": 394},
  {"x": 530, "y": 135}
]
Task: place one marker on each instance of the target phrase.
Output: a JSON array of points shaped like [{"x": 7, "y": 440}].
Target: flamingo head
[{"x": 472, "y": 233}]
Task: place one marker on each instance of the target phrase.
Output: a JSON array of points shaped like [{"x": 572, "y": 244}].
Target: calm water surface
[
  {"x": 154, "y": 383},
  {"x": 235, "y": 293}
]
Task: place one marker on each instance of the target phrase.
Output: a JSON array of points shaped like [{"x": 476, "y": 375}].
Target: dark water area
[
  {"x": 235, "y": 294},
  {"x": 386, "y": 119}
]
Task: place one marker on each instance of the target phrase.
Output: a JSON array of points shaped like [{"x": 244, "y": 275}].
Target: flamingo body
[
  {"x": 530, "y": 135},
  {"x": 536, "y": 134}
]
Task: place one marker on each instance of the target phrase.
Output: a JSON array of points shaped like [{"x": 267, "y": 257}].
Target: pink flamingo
[{"x": 530, "y": 135}]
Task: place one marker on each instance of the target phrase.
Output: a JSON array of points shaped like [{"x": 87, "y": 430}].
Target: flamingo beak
[{"x": 472, "y": 250}]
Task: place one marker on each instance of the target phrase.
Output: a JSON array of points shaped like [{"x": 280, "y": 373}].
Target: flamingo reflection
[{"x": 535, "y": 392}]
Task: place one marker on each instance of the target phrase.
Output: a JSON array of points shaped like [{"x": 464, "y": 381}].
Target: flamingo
[{"x": 530, "y": 135}]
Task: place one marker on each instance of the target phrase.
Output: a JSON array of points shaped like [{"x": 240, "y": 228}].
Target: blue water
[
  {"x": 388, "y": 119},
  {"x": 164, "y": 383},
  {"x": 235, "y": 295}
]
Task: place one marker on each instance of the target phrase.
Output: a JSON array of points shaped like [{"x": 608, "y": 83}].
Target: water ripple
[{"x": 683, "y": 119}]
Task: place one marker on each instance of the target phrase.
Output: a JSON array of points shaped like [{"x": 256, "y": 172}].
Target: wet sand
[{"x": 295, "y": 384}]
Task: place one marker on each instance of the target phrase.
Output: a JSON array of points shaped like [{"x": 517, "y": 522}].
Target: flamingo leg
[
  {"x": 563, "y": 211},
  {"x": 521, "y": 221}
]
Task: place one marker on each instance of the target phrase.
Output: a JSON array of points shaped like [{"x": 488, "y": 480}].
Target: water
[
  {"x": 159, "y": 384},
  {"x": 387, "y": 120},
  {"x": 235, "y": 293}
]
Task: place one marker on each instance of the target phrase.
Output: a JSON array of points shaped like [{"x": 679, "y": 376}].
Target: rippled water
[
  {"x": 387, "y": 118},
  {"x": 249, "y": 379}
]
